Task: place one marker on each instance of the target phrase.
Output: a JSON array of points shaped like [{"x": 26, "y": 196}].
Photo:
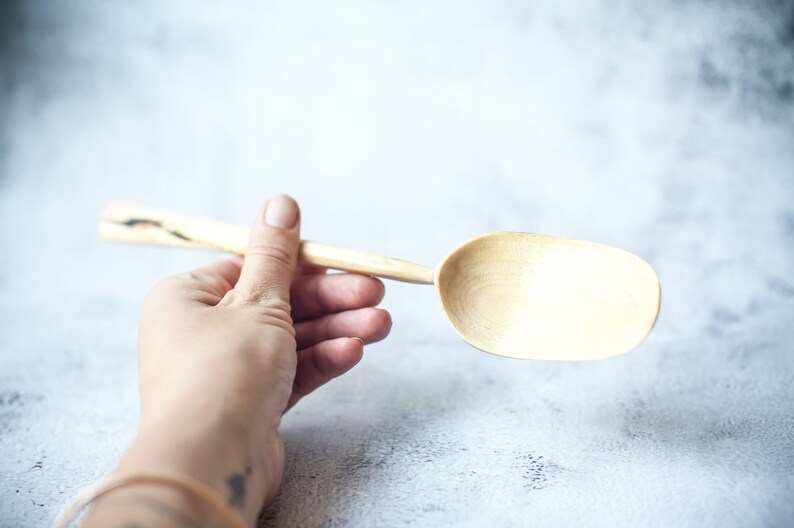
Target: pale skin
[{"x": 224, "y": 352}]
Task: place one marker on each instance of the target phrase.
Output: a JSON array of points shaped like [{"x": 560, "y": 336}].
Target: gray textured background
[{"x": 665, "y": 128}]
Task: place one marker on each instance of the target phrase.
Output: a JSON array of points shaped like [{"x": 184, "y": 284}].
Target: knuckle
[
  {"x": 322, "y": 369},
  {"x": 275, "y": 253},
  {"x": 275, "y": 313},
  {"x": 167, "y": 285},
  {"x": 214, "y": 282},
  {"x": 171, "y": 281},
  {"x": 263, "y": 294},
  {"x": 362, "y": 288},
  {"x": 326, "y": 329}
]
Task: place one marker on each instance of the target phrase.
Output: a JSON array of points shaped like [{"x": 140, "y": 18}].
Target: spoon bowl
[
  {"x": 517, "y": 295},
  {"x": 530, "y": 296}
]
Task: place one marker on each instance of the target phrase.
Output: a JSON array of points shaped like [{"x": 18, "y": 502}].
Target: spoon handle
[{"x": 142, "y": 225}]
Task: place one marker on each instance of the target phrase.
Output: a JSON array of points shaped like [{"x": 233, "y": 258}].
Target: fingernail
[
  {"x": 359, "y": 340},
  {"x": 281, "y": 211}
]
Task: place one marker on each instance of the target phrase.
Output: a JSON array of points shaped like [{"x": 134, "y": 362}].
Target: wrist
[
  {"x": 228, "y": 465},
  {"x": 149, "y": 499}
]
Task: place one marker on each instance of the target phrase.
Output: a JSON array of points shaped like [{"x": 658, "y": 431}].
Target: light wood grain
[
  {"x": 517, "y": 295},
  {"x": 142, "y": 225},
  {"x": 531, "y": 296}
]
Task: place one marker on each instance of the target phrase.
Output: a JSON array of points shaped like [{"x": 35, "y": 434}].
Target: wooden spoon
[{"x": 516, "y": 295}]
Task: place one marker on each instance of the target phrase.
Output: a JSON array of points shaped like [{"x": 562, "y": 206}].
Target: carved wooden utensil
[{"x": 516, "y": 295}]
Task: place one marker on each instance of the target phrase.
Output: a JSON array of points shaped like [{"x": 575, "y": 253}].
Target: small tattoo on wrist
[{"x": 237, "y": 486}]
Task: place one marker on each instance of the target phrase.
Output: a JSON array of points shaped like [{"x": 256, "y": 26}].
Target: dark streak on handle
[{"x": 132, "y": 222}]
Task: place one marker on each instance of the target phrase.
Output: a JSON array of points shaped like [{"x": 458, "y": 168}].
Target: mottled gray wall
[{"x": 665, "y": 128}]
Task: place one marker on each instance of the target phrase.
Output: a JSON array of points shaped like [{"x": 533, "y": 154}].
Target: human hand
[{"x": 225, "y": 350}]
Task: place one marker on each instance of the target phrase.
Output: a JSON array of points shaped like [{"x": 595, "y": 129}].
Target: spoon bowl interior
[{"x": 530, "y": 296}]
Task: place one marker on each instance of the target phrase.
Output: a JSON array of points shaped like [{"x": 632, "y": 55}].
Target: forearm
[{"x": 226, "y": 465}]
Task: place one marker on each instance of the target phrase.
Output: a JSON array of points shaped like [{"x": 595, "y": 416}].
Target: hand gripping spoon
[{"x": 517, "y": 295}]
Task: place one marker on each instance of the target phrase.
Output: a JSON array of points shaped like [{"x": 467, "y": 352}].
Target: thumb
[{"x": 272, "y": 252}]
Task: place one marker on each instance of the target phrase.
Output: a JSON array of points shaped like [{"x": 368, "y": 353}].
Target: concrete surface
[{"x": 665, "y": 128}]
